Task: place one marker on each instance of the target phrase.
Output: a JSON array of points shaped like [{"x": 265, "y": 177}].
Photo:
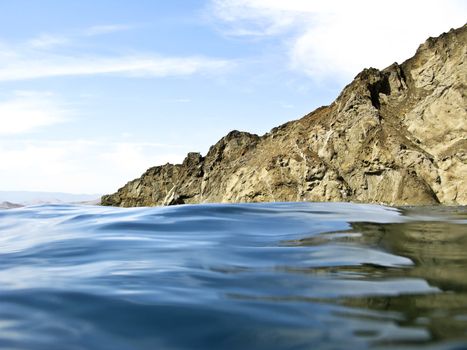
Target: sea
[{"x": 233, "y": 276}]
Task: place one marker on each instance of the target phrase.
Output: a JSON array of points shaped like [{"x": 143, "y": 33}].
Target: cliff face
[{"x": 396, "y": 136}]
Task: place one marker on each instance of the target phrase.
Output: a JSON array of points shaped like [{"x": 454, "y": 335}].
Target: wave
[{"x": 231, "y": 276}]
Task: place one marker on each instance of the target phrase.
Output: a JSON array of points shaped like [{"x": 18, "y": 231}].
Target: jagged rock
[{"x": 396, "y": 136}]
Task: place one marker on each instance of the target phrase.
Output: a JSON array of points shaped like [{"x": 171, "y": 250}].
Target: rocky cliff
[{"x": 396, "y": 136}]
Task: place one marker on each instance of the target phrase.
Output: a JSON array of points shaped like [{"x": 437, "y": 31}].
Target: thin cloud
[
  {"x": 45, "y": 65},
  {"x": 28, "y": 111},
  {"x": 42, "y": 57},
  {"x": 38, "y": 59},
  {"x": 339, "y": 38},
  {"x": 44, "y": 41},
  {"x": 47, "y": 40}
]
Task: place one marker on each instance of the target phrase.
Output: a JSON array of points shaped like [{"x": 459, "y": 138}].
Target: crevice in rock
[{"x": 380, "y": 86}]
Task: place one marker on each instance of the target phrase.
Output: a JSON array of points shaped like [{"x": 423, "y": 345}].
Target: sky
[{"x": 92, "y": 93}]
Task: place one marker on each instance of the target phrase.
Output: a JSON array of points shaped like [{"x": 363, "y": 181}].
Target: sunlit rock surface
[{"x": 396, "y": 136}]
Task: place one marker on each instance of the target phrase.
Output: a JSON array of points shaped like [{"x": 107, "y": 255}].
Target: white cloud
[
  {"x": 29, "y": 110},
  {"x": 338, "y": 38},
  {"x": 46, "y": 65},
  {"x": 41, "y": 57},
  {"x": 47, "y": 41},
  {"x": 79, "y": 166}
]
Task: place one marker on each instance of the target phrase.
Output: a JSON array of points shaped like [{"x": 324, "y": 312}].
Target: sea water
[{"x": 245, "y": 276}]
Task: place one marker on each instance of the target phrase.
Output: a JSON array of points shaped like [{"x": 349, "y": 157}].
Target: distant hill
[
  {"x": 32, "y": 197},
  {"x": 9, "y": 205},
  {"x": 395, "y": 136}
]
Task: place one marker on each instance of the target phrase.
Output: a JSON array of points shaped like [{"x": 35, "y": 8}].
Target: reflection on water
[
  {"x": 438, "y": 251},
  {"x": 264, "y": 276}
]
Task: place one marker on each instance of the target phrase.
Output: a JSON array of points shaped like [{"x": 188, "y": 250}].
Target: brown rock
[{"x": 396, "y": 136}]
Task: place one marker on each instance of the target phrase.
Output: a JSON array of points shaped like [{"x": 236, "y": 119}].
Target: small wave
[{"x": 231, "y": 276}]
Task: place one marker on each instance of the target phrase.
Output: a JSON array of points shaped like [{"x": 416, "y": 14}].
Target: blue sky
[{"x": 94, "y": 92}]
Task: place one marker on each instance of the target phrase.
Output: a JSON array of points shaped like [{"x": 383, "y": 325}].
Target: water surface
[{"x": 256, "y": 276}]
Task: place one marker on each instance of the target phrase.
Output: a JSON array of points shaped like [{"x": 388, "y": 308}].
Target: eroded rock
[{"x": 396, "y": 136}]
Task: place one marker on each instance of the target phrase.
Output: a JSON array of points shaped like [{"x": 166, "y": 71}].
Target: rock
[
  {"x": 9, "y": 205},
  {"x": 396, "y": 136}
]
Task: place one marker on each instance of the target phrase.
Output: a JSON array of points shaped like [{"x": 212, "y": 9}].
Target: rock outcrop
[{"x": 396, "y": 136}]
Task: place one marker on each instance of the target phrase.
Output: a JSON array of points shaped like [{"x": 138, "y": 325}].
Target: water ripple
[{"x": 246, "y": 276}]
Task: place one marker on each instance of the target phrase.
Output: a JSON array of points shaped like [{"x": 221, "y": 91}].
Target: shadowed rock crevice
[
  {"x": 396, "y": 136},
  {"x": 379, "y": 87}
]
